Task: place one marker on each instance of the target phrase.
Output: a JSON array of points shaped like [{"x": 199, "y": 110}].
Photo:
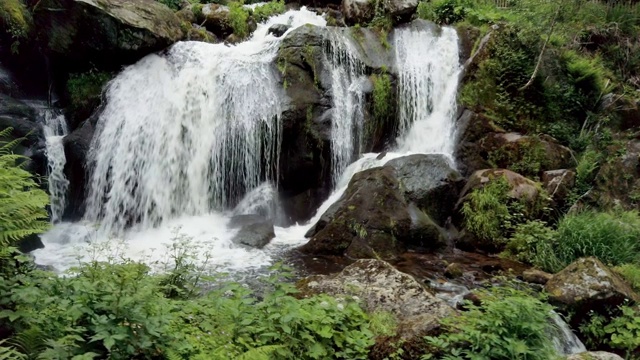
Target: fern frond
[
  {"x": 9, "y": 353},
  {"x": 29, "y": 342}
]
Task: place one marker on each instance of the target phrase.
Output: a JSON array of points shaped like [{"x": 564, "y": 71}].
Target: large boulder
[
  {"x": 381, "y": 287},
  {"x": 529, "y": 155},
  {"x": 594, "y": 355},
  {"x": 254, "y": 230},
  {"x": 371, "y": 220},
  {"x": 363, "y": 11},
  {"x": 106, "y": 33},
  {"x": 21, "y": 117},
  {"x": 430, "y": 182},
  {"x": 215, "y": 18},
  {"x": 586, "y": 285},
  {"x": 558, "y": 184}
]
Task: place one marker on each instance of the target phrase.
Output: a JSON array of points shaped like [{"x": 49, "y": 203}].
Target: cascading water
[
  {"x": 347, "y": 100},
  {"x": 54, "y": 128},
  {"x": 189, "y": 131},
  {"x": 183, "y": 136}
]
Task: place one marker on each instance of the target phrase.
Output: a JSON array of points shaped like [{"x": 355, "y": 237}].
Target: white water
[
  {"x": 347, "y": 101},
  {"x": 564, "y": 340},
  {"x": 185, "y": 134},
  {"x": 54, "y": 129}
]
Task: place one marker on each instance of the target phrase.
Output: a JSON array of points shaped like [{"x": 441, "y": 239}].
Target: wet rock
[
  {"x": 370, "y": 221},
  {"x": 536, "y": 276},
  {"x": 453, "y": 271},
  {"x": 587, "y": 284},
  {"x": 76, "y": 150},
  {"x": 215, "y": 18},
  {"x": 22, "y": 118},
  {"x": 594, "y": 355},
  {"x": 472, "y": 127},
  {"x": 363, "y": 11},
  {"x": 107, "y": 33},
  {"x": 525, "y": 153},
  {"x": 255, "y": 230},
  {"x": 278, "y": 29},
  {"x": 186, "y": 15},
  {"x": 429, "y": 181},
  {"x": 379, "y": 286}
]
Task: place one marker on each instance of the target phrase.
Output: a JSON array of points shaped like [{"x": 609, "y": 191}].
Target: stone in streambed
[{"x": 256, "y": 231}]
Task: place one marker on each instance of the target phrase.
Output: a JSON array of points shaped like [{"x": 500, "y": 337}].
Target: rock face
[
  {"x": 215, "y": 18},
  {"x": 106, "y": 32},
  {"x": 255, "y": 231},
  {"x": 76, "y": 150},
  {"x": 587, "y": 284},
  {"x": 363, "y": 11},
  {"x": 385, "y": 209},
  {"x": 278, "y": 29},
  {"x": 371, "y": 220},
  {"x": 594, "y": 355},
  {"x": 430, "y": 182},
  {"x": 380, "y": 287},
  {"x": 305, "y": 160}
]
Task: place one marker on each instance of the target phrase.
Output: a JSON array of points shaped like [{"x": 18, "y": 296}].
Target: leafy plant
[
  {"x": 172, "y": 4},
  {"x": 85, "y": 90},
  {"x": 508, "y": 324},
  {"x": 22, "y": 202},
  {"x": 262, "y": 13},
  {"x": 238, "y": 17},
  {"x": 620, "y": 329}
]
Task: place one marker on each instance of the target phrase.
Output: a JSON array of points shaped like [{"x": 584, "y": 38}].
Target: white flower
[
  {"x": 324, "y": 304},
  {"x": 340, "y": 307}
]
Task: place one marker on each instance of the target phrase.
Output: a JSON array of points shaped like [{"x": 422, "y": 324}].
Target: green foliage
[
  {"x": 121, "y": 311},
  {"x": 85, "y": 90},
  {"x": 525, "y": 157},
  {"x": 631, "y": 273},
  {"x": 238, "y": 17},
  {"x": 507, "y": 325},
  {"x": 262, "y": 13},
  {"x": 172, "y": 4},
  {"x": 22, "y": 203},
  {"x": 612, "y": 237},
  {"x": 382, "y": 97},
  {"x": 587, "y": 75},
  {"x": 443, "y": 11},
  {"x": 530, "y": 242},
  {"x": 619, "y": 330},
  {"x": 16, "y": 20}
]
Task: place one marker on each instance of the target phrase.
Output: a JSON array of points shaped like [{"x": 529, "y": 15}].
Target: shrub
[
  {"x": 382, "y": 96},
  {"x": 619, "y": 329},
  {"x": 262, "y": 13},
  {"x": 612, "y": 237},
  {"x": 442, "y": 11},
  {"x": 531, "y": 243},
  {"x": 507, "y": 325},
  {"x": 238, "y": 17}
]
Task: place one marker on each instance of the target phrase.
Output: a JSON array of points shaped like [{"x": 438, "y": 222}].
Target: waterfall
[
  {"x": 347, "y": 100},
  {"x": 189, "y": 131},
  {"x": 564, "y": 340},
  {"x": 54, "y": 128},
  {"x": 428, "y": 67}
]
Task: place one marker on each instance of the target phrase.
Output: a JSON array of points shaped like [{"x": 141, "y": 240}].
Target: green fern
[
  {"x": 9, "y": 353},
  {"x": 22, "y": 203},
  {"x": 29, "y": 343}
]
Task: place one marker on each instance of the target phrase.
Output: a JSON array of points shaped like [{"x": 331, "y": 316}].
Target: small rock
[
  {"x": 255, "y": 230},
  {"x": 278, "y": 29},
  {"x": 536, "y": 276},
  {"x": 594, "y": 355},
  {"x": 454, "y": 270}
]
